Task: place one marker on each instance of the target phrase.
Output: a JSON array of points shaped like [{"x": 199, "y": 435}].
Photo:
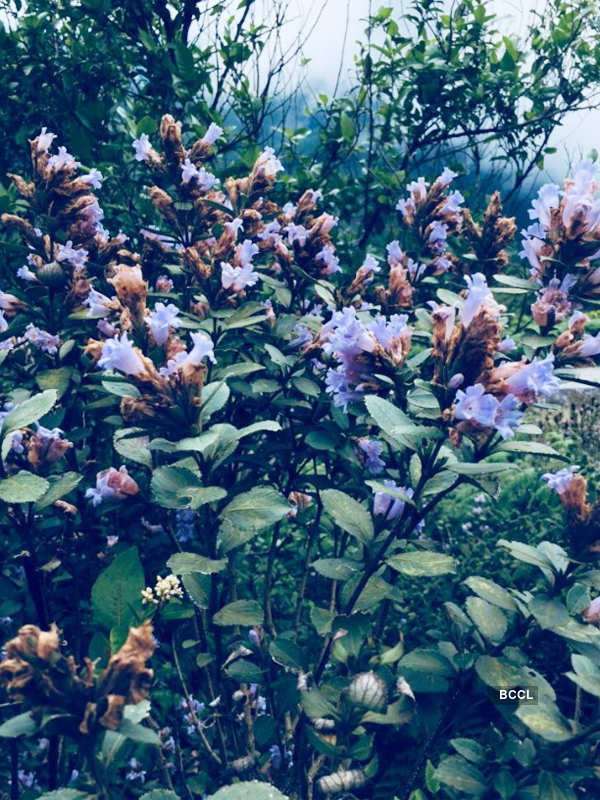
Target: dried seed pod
[{"x": 368, "y": 690}]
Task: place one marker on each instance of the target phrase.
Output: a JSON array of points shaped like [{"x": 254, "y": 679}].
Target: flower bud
[
  {"x": 51, "y": 274},
  {"x": 342, "y": 781},
  {"x": 368, "y": 690}
]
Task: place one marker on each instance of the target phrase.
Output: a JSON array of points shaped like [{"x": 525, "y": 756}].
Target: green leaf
[
  {"x": 55, "y": 379},
  {"x": 21, "y": 725},
  {"x": 59, "y": 487},
  {"x": 160, "y": 794},
  {"x": 481, "y": 468},
  {"x": 64, "y": 794},
  {"x": 241, "y": 612},
  {"x": 186, "y": 563},
  {"x": 532, "y": 448},
  {"x": 116, "y": 594},
  {"x": 469, "y": 749},
  {"x": 178, "y": 487},
  {"x": 528, "y": 554},
  {"x": 498, "y": 673},
  {"x": 29, "y": 411},
  {"x": 248, "y": 790},
  {"x": 348, "y": 514},
  {"x": 337, "y": 569},
  {"x": 346, "y": 126},
  {"x": 393, "y": 421},
  {"x": 134, "y": 448},
  {"x": 24, "y": 487},
  {"x": 214, "y": 397},
  {"x": 426, "y": 670},
  {"x": 287, "y": 653},
  {"x": 248, "y": 513},
  {"x": 490, "y": 620},
  {"x": 456, "y": 772},
  {"x": 546, "y": 721},
  {"x": 554, "y": 787},
  {"x": 491, "y": 592},
  {"x": 421, "y": 563},
  {"x": 138, "y": 733}
]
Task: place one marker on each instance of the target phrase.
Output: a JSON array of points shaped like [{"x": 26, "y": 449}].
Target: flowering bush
[{"x": 221, "y": 449}]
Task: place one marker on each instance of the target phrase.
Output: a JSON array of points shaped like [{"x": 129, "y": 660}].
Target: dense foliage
[{"x": 278, "y": 519}]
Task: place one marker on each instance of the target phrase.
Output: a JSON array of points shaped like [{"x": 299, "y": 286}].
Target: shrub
[{"x": 214, "y": 433}]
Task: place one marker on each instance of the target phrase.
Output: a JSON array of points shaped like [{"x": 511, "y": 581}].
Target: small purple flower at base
[
  {"x": 372, "y": 450},
  {"x": 135, "y": 773},
  {"x": 47, "y": 342},
  {"x": 560, "y": 480},
  {"x": 185, "y": 524},
  {"x": 389, "y": 505},
  {"x": 474, "y": 405}
]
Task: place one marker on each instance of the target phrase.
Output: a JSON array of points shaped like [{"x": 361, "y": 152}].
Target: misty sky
[{"x": 577, "y": 137}]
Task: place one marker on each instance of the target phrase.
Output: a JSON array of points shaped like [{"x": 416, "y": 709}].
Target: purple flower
[
  {"x": 447, "y": 177},
  {"x": 372, "y": 450},
  {"x": 389, "y": 505},
  {"x": 94, "y": 178},
  {"x": 507, "y": 345},
  {"x": 99, "y": 304},
  {"x": 120, "y": 354},
  {"x": 63, "y": 160},
  {"x": 296, "y": 234},
  {"x": 474, "y": 405},
  {"x": 75, "y": 256},
  {"x": 161, "y": 321},
  {"x": 547, "y": 199},
  {"x": 213, "y": 133},
  {"x": 136, "y": 773},
  {"x": 559, "y": 481},
  {"x": 238, "y": 278},
  {"x": 478, "y": 296},
  {"x": 204, "y": 180},
  {"x": 534, "y": 380},
  {"x": 42, "y": 339},
  {"x": 507, "y": 416},
  {"x": 330, "y": 260},
  {"x": 142, "y": 147},
  {"x": 44, "y": 140}
]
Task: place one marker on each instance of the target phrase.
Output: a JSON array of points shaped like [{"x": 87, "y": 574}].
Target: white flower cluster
[{"x": 164, "y": 590}]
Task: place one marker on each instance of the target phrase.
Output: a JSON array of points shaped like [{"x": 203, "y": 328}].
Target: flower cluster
[
  {"x": 165, "y": 589},
  {"x": 562, "y": 245},
  {"x": 359, "y": 346}
]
